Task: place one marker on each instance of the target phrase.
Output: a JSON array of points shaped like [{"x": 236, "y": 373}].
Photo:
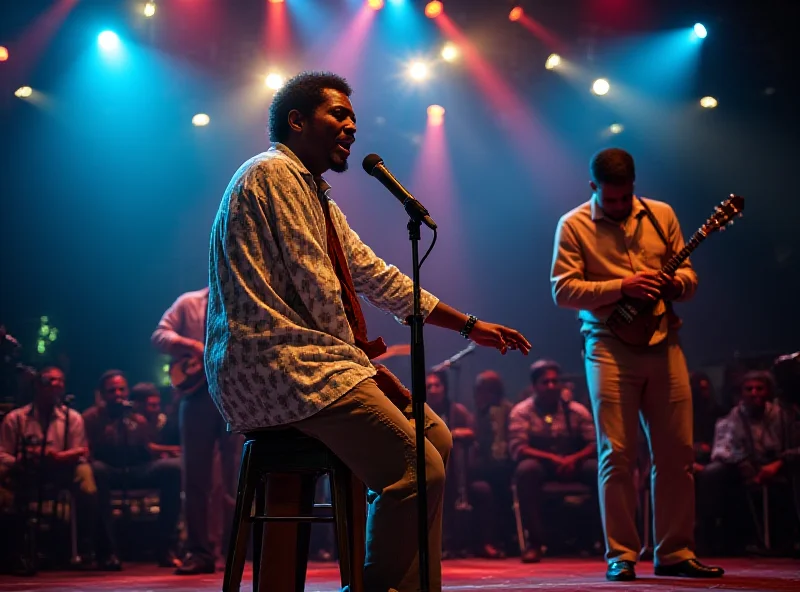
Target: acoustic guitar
[
  {"x": 633, "y": 321},
  {"x": 187, "y": 374}
]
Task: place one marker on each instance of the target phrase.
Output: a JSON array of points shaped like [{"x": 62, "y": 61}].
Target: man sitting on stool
[{"x": 550, "y": 440}]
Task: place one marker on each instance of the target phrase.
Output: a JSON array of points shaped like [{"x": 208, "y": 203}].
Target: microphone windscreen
[{"x": 370, "y": 162}]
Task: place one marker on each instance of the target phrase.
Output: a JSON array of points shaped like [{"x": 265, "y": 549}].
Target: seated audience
[
  {"x": 549, "y": 440},
  {"x": 164, "y": 436},
  {"x": 749, "y": 451},
  {"x": 459, "y": 421},
  {"x": 26, "y": 454},
  {"x": 122, "y": 458},
  {"x": 490, "y": 465}
]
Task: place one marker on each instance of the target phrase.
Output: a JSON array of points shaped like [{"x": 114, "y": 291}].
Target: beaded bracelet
[{"x": 471, "y": 320}]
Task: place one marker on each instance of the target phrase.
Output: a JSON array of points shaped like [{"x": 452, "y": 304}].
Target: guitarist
[
  {"x": 613, "y": 246},
  {"x": 181, "y": 334}
]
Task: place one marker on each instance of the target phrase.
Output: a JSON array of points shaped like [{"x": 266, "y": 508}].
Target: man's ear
[{"x": 296, "y": 120}]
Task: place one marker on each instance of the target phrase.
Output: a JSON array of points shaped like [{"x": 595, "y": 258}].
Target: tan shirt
[
  {"x": 279, "y": 347},
  {"x": 23, "y": 427},
  {"x": 592, "y": 254}
]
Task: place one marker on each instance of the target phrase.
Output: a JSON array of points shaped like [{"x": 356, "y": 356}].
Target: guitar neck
[{"x": 675, "y": 261}]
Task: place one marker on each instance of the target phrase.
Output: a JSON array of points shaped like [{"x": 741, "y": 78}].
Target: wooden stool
[{"x": 280, "y": 467}]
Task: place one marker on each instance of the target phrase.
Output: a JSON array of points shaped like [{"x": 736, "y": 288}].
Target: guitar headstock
[{"x": 724, "y": 214}]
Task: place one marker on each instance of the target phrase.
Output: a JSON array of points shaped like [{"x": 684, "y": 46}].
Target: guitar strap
[{"x": 655, "y": 224}]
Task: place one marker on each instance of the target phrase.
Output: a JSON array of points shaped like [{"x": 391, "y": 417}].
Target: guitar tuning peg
[
  {"x": 741, "y": 214},
  {"x": 722, "y": 228}
]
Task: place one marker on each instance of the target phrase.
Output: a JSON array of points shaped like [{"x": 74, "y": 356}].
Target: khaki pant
[
  {"x": 376, "y": 440},
  {"x": 626, "y": 383}
]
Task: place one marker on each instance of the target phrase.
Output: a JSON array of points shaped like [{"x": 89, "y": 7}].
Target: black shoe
[
  {"x": 489, "y": 551},
  {"x": 110, "y": 563},
  {"x": 194, "y": 565},
  {"x": 691, "y": 568},
  {"x": 168, "y": 559},
  {"x": 621, "y": 571}
]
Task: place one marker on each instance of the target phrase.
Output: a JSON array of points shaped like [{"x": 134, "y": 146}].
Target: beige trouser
[
  {"x": 626, "y": 383},
  {"x": 376, "y": 440}
]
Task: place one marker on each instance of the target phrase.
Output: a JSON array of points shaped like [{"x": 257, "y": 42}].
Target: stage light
[
  {"x": 276, "y": 1},
  {"x": 200, "y": 120},
  {"x": 553, "y": 61},
  {"x": 3, "y": 53},
  {"x": 418, "y": 71},
  {"x": 515, "y": 14},
  {"x": 23, "y": 92},
  {"x": 708, "y": 102},
  {"x": 108, "y": 40},
  {"x": 450, "y": 52},
  {"x": 375, "y": 4},
  {"x": 700, "y": 31},
  {"x": 435, "y": 115},
  {"x": 433, "y": 9},
  {"x": 601, "y": 87},
  {"x": 149, "y": 9},
  {"x": 616, "y": 128},
  {"x": 274, "y": 80}
]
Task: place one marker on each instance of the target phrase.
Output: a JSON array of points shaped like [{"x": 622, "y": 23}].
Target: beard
[{"x": 339, "y": 167}]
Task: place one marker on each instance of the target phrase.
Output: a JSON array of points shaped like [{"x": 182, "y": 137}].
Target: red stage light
[
  {"x": 3, "y": 54},
  {"x": 515, "y": 14},
  {"x": 276, "y": 1},
  {"x": 433, "y": 9}
]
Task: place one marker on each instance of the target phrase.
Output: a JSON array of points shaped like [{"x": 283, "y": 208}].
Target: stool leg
[
  {"x": 349, "y": 499},
  {"x": 237, "y": 548},
  {"x": 258, "y": 532},
  {"x": 284, "y": 493},
  {"x": 308, "y": 487}
]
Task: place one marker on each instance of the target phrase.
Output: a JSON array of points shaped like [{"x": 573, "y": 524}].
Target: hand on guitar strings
[{"x": 645, "y": 285}]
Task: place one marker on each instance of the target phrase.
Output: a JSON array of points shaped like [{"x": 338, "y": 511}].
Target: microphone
[{"x": 373, "y": 165}]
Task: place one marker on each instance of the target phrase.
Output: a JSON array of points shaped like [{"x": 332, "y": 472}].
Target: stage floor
[{"x": 561, "y": 575}]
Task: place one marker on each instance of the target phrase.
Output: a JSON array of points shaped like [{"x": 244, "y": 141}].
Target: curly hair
[
  {"x": 613, "y": 166},
  {"x": 304, "y": 92}
]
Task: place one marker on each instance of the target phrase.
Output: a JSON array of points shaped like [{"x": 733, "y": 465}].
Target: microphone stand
[{"x": 418, "y": 397}]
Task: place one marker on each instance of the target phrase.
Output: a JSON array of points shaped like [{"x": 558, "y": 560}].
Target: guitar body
[
  {"x": 187, "y": 374},
  {"x": 633, "y": 321}
]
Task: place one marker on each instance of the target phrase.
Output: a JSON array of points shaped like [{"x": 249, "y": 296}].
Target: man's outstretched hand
[{"x": 499, "y": 337}]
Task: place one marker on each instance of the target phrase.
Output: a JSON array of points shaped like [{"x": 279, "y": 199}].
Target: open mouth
[{"x": 344, "y": 146}]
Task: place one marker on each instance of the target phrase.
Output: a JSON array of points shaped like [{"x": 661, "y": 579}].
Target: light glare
[
  {"x": 200, "y": 120},
  {"x": 108, "y": 40},
  {"x": 23, "y": 92},
  {"x": 274, "y": 80},
  {"x": 553, "y": 61},
  {"x": 149, "y": 9},
  {"x": 433, "y": 9},
  {"x": 700, "y": 31},
  {"x": 601, "y": 87},
  {"x": 3, "y": 53},
  {"x": 418, "y": 71},
  {"x": 449, "y": 52},
  {"x": 375, "y": 4},
  {"x": 515, "y": 14},
  {"x": 436, "y": 115},
  {"x": 616, "y": 128},
  {"x": 708, "y": 102}
]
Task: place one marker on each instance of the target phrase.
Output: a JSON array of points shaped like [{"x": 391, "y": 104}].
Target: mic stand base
[{"x": 418, "y": 397}]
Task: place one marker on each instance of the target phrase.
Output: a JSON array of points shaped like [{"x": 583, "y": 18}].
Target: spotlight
[
  {"x": 276, "y": 1},
  {"x": 3, "y": 53},
  {"x": 708, "y": 102},
  {"x": 200, "y": 120},
  {"x": 601, "y": 87},
  {"x": 515, "y": 14},
  {"x": 149, "y": 9},
  {"x": 23, "y": 92},
  {"x": 700, "y": 31},
  {"x": 449, "y": 52},
  {"x": 435, "y": 115},
  {"x": 108, "y": 40},
  {"x": 553, "y": 61},
  {"x": 616, "y": 128},
  {"x": 375, "y": 4},
  {"x": 418, "y": 71},
  {"x": 433, "y": 9},
  {"x": 274, "y": 80}
]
